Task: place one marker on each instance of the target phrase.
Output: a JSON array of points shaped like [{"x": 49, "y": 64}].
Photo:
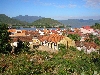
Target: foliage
[
  {"x": 4, "y": 39},
  {"x": 26, "y": 46},
  {"x": 93, "y": 38},
  {"x": 62, "y": 48},
  {"x": 44, "y": 63},
  {"x": 74, "y": 37},
  {"x": 11, "y": 22},
  {"x": 72, "y": 48},
  {"x": 46, "y": 22},
  {"x": 97, "y": 41},
  {"x": 96, "y": 26},
  {"x": 21, "y": 47},
  {"x": 72, "y": 22}
]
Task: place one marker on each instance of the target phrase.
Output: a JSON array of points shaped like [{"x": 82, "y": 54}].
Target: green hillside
[
  {"x": 10, "y": 21},
  {"x": 47, "y": 22}
]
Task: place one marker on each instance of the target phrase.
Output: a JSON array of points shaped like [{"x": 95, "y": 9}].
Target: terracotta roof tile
[
  {"x": 22, "y": 38},
  {"x": 12, "y": 30}
]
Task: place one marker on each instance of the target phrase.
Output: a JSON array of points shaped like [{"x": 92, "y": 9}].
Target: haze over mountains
[
  {"x": 30, "y": 19},
  {"x": 77, "y": 23},
  {"x": 27, "y": 18},
  {"x": 71, "y": 22}
]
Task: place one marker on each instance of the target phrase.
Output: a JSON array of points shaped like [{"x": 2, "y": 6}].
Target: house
[
  {"x": 87, "y": 47},
  {"x": 35, "y": 43},
  {"x": 15, "y": 32},
  {"x": 51, "y": 41},
  {"x": 86, "y": 29},
  {"x": 25, "y": 36},
  {"x": 14, "y": 40},
  {"x": 67, "y": 42}
]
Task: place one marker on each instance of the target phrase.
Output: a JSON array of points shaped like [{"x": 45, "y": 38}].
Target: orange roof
[
  {"x": 23, "y": 31},
  {"x": 45, "y": 30},
  {"x": 12, "y": 30},
  {"x": 19, "y": 34},
  {"x": 22, "y": 38},
  {"x": 52, "y": 38}
]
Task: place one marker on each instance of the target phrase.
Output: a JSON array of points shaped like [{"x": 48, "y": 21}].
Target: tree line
[{"x": 96, "y": 26}]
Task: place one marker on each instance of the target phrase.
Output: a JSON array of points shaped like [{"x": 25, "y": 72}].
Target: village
[{"x": 49, "y": 39}]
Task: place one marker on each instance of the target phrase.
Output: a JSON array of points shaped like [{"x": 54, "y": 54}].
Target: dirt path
[{"x": 45, "y": 48}]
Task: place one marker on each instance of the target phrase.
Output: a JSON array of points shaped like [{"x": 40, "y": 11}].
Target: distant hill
[
  {"x": 47, "y": 22},
  {"x": 79, "y": 22},
  {"x": 69, "y": 22},
  {"x": 10, "y": 21},
  {"x": 27, "y": 18}
]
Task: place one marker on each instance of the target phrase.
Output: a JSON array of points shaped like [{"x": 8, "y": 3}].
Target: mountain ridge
[
  {"x": 27, "y": 18},
  {"x": 10, "y": 21},
  {"x": 69, "y": 22}
]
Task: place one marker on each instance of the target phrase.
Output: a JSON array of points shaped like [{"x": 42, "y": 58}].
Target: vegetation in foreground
[{"x": 70, "y": 61}]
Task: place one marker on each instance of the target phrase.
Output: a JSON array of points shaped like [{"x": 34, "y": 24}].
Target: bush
[
  {"x": 5, "y": 46},
  {"x": 72, "y": 48}
]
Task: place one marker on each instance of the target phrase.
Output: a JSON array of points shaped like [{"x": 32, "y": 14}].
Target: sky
[{"x": 55, "y": 9}]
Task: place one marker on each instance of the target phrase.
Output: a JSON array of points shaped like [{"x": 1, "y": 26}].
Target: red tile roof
[
  {"x": 22, "y": 38},
  {"x": 52, "y": 38},
  {"x": 12, "y": 30},
  {"x": 87, "y": 27}
]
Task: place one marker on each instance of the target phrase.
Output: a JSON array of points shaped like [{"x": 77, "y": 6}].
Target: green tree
[
  {"x": 26, "y": 46},
  {"x": 22, "y": 46},
  {"x": 97, "y": 41},
  {"x": 19, "y": 47},
  {"x": 91, "y": 38},
  {"x": 62, "y": 49},
  {"x": 4, "y": 39},
  {"x": 74, "y": 37},
  {"x": 96, "y": 26}
]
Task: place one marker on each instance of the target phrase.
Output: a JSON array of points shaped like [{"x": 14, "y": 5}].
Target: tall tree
[
  {"x": 96, "y": 26},
  {"x": 74, "y": 37},
  {"x": 4, "y": 39}
]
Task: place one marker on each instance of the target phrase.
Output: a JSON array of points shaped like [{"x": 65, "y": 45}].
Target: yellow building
[{"x": 67, "y": 41}]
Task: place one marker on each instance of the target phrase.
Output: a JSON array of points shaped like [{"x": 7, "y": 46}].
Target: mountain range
[
  {"x": 70, "y": 22},
  {"x": 26, "y": 20},
  {"x": 77, "y": 23},
  {"x": 10, "y": 21}
]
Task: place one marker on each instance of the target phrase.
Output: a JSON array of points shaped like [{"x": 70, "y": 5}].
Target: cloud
[
  {"x": 51, "y": 4},
  {"x": 93, "y": 3},
  {"x": 38, "y": 2},
  {"x": 64, "y": 6},
  {"x": 60, "y": 6},
  {"x": 72, "y": 5}
]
